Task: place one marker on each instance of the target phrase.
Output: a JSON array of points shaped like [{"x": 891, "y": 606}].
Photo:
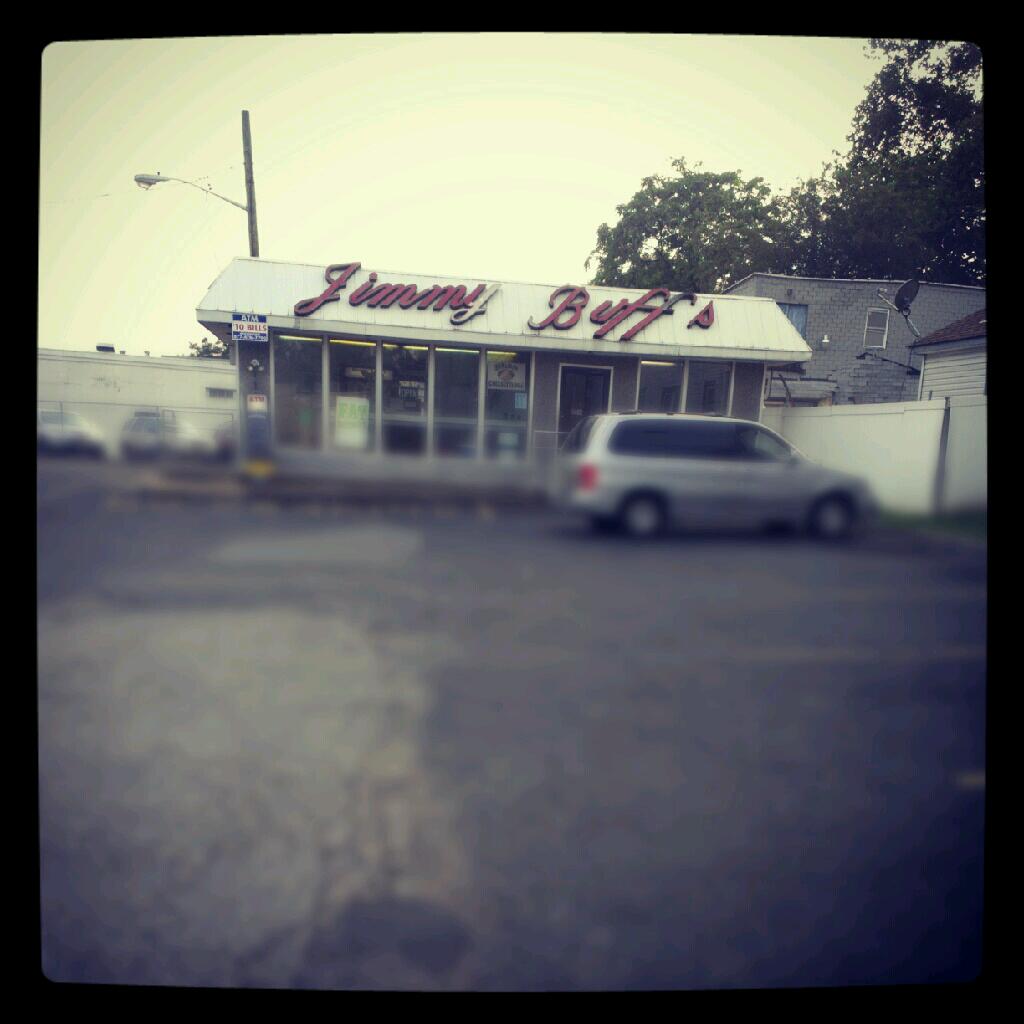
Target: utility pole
[{"x": 250, "y": 188}]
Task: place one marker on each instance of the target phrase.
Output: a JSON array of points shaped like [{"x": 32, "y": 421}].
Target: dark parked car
[{"x": 225, "y": 441}]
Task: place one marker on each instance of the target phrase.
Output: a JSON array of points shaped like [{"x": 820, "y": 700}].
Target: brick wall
[{"x": 839, "y": 309}]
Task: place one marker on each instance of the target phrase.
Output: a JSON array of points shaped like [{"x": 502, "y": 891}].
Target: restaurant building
[{"x": 352, "y": 359}]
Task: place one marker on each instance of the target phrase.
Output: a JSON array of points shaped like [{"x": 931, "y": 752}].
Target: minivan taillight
[{"x": 586, "y": 477}]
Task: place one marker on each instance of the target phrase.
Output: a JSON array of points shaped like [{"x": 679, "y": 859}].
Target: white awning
[{"x": 740, "y": 327}]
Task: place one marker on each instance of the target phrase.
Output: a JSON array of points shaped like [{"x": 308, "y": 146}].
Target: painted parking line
[{"x": 970, "y": 780}]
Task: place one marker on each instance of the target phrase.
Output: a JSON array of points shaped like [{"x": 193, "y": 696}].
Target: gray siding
[
  {"x": 949, "y": 374},
  {"x": 839, "y": 309}
]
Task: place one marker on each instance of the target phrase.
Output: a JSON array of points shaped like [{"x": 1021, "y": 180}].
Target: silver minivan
[{"x": 646, "y": 472}]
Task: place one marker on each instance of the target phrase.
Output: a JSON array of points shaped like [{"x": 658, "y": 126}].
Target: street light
[
  {"x": 255, "y": 441},
  {"x": 147, "y": 181}
]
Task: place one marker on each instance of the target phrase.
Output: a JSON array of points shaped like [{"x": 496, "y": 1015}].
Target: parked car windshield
[
  {"x": 760, "y": 444},
  {"x": 49, "y": 417}
]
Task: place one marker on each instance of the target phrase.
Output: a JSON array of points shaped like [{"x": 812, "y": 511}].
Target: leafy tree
[
  {"x": 908, "y": 197},
  {"x": 697, "y": 231},
  {"x": 910, "y": 194},
  {"x": 926, "y": 98},
  {"x": 207, "y": 348},
  {"x": 806, "y": 245}
]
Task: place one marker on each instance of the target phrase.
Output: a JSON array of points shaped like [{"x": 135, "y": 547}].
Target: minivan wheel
[
  {"x": 832, "y": 518},
  {"x": 643, "y": 516}
]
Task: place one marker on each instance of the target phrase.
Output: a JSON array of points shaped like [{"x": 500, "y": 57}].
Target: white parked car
[
  {"x": 149, "y": 436},
  {"x": 184, "y": 440},
  {"x": 645, "y": 472},
  {"x": 66, "y": 433}
]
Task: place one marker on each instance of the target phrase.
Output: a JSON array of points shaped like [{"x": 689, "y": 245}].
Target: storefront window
[
  {"x": 297, "y": 400},
  {"x": 405, "y": 398},
  {"x": 660, "y": 385},
  {"x": 707, "y": 387},
  {"x": 353, "y": 395},
  {"x": 506, "y": 404},
  {"x": 456, "y": 400}
]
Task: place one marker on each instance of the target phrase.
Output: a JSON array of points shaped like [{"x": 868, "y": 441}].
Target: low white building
[
  {"x": 954, "y": 361},
  {"x": 350, "y": 359},
  {"x": 107, "y": 388}
]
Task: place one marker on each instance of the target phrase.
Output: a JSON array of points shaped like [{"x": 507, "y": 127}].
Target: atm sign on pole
[{"x": 248, "y": 327}]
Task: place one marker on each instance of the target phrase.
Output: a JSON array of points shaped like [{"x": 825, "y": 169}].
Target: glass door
[{"x": 584, "y": 392}]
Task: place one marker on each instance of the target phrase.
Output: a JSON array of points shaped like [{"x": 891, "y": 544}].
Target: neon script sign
[
  {"x": 566, "y": 303},
  {"x": 464, "y": 304},
  {"x": 567, "y": 312}
]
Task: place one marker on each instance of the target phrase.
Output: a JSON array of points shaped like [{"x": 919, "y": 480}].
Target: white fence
[{"x": 917, "y": 456}]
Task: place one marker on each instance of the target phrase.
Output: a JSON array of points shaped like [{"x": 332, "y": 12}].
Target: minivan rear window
[
  {"x": 679, "y": 439},
  {"x": 641, "y": 437},
  {"x": 577, "y": 438}
]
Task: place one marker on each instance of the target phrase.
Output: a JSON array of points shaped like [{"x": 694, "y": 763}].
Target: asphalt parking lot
[{"x": 430, "y": 748}]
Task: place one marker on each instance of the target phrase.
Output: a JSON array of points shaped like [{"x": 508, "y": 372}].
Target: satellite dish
[{"x": 906, "y": 295}]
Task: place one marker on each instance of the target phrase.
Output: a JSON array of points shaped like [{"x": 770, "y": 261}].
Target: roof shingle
[{"x": 971, "y": 326}]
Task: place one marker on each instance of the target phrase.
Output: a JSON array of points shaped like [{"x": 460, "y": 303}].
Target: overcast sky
[{"x": 491, "y": 157}]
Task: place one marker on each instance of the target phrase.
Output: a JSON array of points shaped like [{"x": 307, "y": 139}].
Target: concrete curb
[
  {"x": 361, "y": 493},
  {"x": 952, "y": 539},
  {"x": 937, "y": 538}
]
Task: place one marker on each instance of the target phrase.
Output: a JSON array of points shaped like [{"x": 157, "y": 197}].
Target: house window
[
  {"x": 876, "y": 327},
  {"x": 797, "y": 316},
  {"x": 221, "y": 392}
]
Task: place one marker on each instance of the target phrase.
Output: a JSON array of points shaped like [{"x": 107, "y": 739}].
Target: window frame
[
  {"x": 784, "y": 308},
  {"x": 867, "y": 326}
]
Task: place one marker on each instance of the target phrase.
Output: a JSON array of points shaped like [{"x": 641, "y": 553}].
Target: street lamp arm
[
  {"x": 210, "y": 192},
  {"x": 149, "y": 180}
]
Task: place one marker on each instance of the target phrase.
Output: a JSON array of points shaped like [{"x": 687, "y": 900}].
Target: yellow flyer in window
[{"x": 351, "y": 421}]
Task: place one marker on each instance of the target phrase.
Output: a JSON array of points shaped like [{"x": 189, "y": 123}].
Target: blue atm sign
[{"x": 248, "y": 327}]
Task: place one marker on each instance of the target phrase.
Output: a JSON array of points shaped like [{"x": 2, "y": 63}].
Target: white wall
[
  {"x": 106, "y": 389},
  {"x": 967, "y": 453},
  {"x": 771, "y": 417},
  {"x": 895, "y": 447}
]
